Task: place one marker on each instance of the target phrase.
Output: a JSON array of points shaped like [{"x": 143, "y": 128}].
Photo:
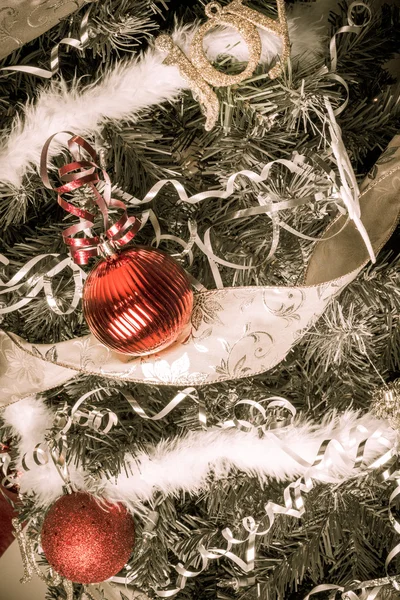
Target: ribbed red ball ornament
[
  {"x": 137, "y": 300},
  {"x": 86, "y": 541}
]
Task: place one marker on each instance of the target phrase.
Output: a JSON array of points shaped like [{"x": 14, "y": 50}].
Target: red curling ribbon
[{"x": 75, "y": 175}]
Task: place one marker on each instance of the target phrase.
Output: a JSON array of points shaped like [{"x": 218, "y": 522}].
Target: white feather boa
[
  {"x": 127, "y": 90},
  {"x": 186, "y": 463},
  {"x": 30, "y": 419}
]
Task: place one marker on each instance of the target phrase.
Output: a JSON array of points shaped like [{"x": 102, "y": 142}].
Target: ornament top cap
[{"x": 107, "y": 248}]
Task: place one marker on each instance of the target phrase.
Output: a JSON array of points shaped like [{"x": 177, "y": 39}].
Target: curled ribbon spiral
[
  {"x": 37, "y": 273},
  {"x": 74, "y": 176},
  {"x": 265, "y": 417},
  {"x": 293, "y": 495},
  {"x": 34, "y": 277},
  {"x": 100, "y": 421}
]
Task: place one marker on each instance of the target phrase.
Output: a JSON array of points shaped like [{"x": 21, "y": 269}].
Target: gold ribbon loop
[
  {"x": 38, "y": 279},
  {"x": 189, "y": 392}
]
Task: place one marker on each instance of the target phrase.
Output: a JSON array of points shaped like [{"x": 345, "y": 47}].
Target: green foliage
[{"x": 345, "y": 533}]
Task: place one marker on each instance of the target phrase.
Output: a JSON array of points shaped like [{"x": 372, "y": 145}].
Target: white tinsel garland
[
  {"x": 128, "y": 89},
  {"x": 185, "y": 463}
]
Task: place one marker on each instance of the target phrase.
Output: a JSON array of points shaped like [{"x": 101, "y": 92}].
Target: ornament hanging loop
[{"x": 213, "y": 9}]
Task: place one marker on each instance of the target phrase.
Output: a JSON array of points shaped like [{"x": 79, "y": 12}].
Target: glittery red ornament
[
  {"x": 86, "y": 541},
  {"x": 137, "y": 301}
]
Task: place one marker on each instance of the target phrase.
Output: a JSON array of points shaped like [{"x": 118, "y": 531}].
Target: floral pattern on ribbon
[
  {"x": 177, "y": 373},
  {"x": 234, "y": 332},
  {"x": 285, "y": 304},
  {"x": 206, "y": 309},
  {"x": 21, "y": 365}
]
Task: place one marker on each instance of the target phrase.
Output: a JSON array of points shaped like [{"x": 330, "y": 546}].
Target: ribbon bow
[{"x": 76, "y": 175}]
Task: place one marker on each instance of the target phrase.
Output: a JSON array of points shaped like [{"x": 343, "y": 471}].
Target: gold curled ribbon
[
  {"x": 350, "y": 28},
  {"x": 189, "y": 392},
  {"x": 79, "y": 44},
  {"x": 267, "y": 206},
  {"x": 29, "y": 282},
  {"x": 293, "y": 495}
]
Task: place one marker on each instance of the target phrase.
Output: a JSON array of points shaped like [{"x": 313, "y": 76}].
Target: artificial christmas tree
[{"x": 247, "y": 451}]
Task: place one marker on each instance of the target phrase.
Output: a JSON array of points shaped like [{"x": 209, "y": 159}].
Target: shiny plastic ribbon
[
  {"x": 101, "y": 421},
  {"x": 84, "y": 248},
  {"x": 350, "y": 28},
  {"x": 270, "y": 417},
  {"x": 369, "y": 590},
  {"x": 32, "y": 278},
  {"x": 10, "y": 477},
  {"x": 78, "y": 174},
  {"x": 248, "y": 523},
  {"x": 79, "y": 44},
  {"x": 295, "y": 166},
  {"x": 55, "y": 448},
  {"x": 206, "y": 555},
  {"x": 392, "y": 473},
  {"x": 293, "y": 495},
  {"x": 349, "y": 191},
  {"x": 267, "y": 206},
  {"x": 85, "y": 173},
  {"x": 189, "y": 392}
]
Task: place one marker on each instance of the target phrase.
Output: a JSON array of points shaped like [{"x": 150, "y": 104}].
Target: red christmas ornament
[
  {"x": 85, "y": 541},
  {"x": 137, "y": 301}
]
